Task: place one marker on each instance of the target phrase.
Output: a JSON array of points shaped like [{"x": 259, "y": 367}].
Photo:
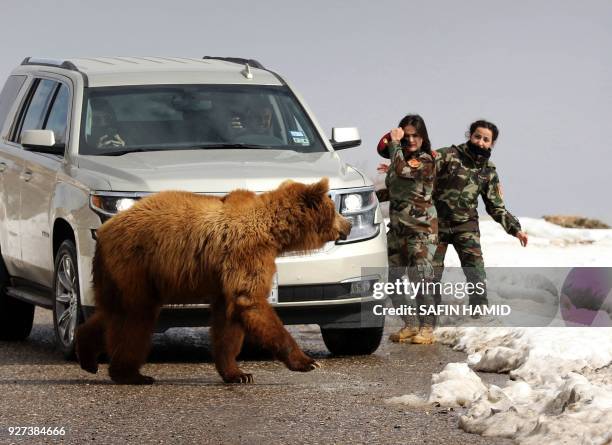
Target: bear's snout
[{"x": 343, "y": 226}]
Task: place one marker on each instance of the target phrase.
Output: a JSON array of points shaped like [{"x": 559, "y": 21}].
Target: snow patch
[
  {"x": 550, "y": 399},
  {"x": 456, "y": 385}
]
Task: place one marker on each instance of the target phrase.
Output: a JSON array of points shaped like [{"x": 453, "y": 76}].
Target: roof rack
[
  {"x": 252, "y": 62},
  {"x": 50, "y": 62}
]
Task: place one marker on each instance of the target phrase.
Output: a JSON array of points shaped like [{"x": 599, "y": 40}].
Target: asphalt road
[{"x": 341, "y": 403}]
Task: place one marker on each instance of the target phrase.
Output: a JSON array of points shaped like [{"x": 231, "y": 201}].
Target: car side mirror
[
  {"x": 345, "y": 138},
  {"x": 40, "y": 140}
]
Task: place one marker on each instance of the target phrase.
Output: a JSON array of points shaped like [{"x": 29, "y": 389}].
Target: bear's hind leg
[
  {"x": 129, "y": 340},
  {"x": 264, "y": 327},
  {"x": 227, "y": 339},
  {"x": 90, "y": 342}
]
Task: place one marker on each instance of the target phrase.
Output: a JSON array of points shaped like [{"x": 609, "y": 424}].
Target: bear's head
[{"x": 307, "y": 217}]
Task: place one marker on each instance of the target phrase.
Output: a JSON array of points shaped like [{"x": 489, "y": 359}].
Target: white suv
[{"x": 81, "y": 139}]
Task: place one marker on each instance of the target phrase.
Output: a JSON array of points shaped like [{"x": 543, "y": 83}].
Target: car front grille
[{"x": 294, "y": 294}]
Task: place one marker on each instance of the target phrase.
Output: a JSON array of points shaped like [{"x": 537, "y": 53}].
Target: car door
[
  {"x": 37, "y": 192},
  {"x": 11, "y": 165},
  {"x": 46, "y": 109}
]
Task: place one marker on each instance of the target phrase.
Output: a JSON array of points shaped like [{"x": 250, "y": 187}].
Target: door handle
[
  {"x": 3, "y": 166},
  {"x": 26, "y": 175}
]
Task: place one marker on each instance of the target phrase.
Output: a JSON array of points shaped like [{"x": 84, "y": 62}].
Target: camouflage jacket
[
  {"x": 460, "y": 179},
  {"x": 410, "y": 181}
]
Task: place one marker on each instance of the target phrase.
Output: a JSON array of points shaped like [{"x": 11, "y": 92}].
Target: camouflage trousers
[
  {"x": 412, "y": 256},
  {"x": 467, "y": 245}
]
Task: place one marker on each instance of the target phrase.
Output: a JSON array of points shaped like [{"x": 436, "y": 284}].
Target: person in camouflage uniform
[
  {"x": 464, "y": 172},
  {"x": 413, "y": 228}
]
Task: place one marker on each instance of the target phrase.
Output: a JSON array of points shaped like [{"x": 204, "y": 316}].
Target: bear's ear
[
  {"x": 314, "y": 193},
  {"x": 286, "y": 183}
]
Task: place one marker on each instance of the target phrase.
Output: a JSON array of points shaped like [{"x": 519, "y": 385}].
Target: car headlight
[
  {"x": 359, "y": 207},
  {"x": 110, "y": 204}
]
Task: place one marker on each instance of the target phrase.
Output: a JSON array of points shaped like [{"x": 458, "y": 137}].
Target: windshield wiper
[
  {"x": 237, "y": 145},
  {"x": 131, "y": 150}
]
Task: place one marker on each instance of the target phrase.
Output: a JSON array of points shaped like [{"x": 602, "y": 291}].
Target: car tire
[
  {"x": 67, "y": 313},
  {"x": 355, "y": 341},
  {"x": 16, "y": 316}
]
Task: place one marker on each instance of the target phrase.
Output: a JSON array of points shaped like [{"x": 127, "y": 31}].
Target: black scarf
[{"x": 479, "y": 154}]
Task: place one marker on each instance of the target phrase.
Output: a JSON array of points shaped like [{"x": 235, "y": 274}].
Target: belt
[{"x": 450, "y": 227}]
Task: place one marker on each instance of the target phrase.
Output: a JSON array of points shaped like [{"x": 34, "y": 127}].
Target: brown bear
[{"x": 180, "y": 247}]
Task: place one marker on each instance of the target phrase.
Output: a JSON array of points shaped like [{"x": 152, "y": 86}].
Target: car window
[
  {"x": 176, "y": 117},
  {"x": 8, "y": 95},
  {"x": 58, "y": 115},
  {"x": 37, "y": 106}
]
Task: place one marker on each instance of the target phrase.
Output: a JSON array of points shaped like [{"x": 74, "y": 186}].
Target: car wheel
[
  {"x": 67, "y": 313},
  {"x": 16, "y": 316},
  {"x": 359, "y": 341}
]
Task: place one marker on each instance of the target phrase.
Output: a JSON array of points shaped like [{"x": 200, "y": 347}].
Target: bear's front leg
[
  {"x": 265, "y": 328},
  {"x": 227, "y": 339}
]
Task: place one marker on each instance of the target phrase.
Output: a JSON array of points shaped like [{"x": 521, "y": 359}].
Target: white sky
[{"x": 539, "y": 69}]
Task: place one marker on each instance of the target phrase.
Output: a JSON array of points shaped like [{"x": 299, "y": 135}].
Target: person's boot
[
  {"x": 425, "y": 336},
  {"x": 404, "y": 334}
]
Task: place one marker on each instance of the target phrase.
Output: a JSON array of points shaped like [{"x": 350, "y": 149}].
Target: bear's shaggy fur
[{"x": 179, "y": 247}]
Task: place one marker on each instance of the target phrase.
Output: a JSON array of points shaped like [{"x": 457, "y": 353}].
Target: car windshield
[{"x": 120, "y": 120}]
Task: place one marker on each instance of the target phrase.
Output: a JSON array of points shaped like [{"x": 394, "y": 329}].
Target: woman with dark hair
[
  {"x": 413, "y": 228},
  {"x": 464, "y": 172}
]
